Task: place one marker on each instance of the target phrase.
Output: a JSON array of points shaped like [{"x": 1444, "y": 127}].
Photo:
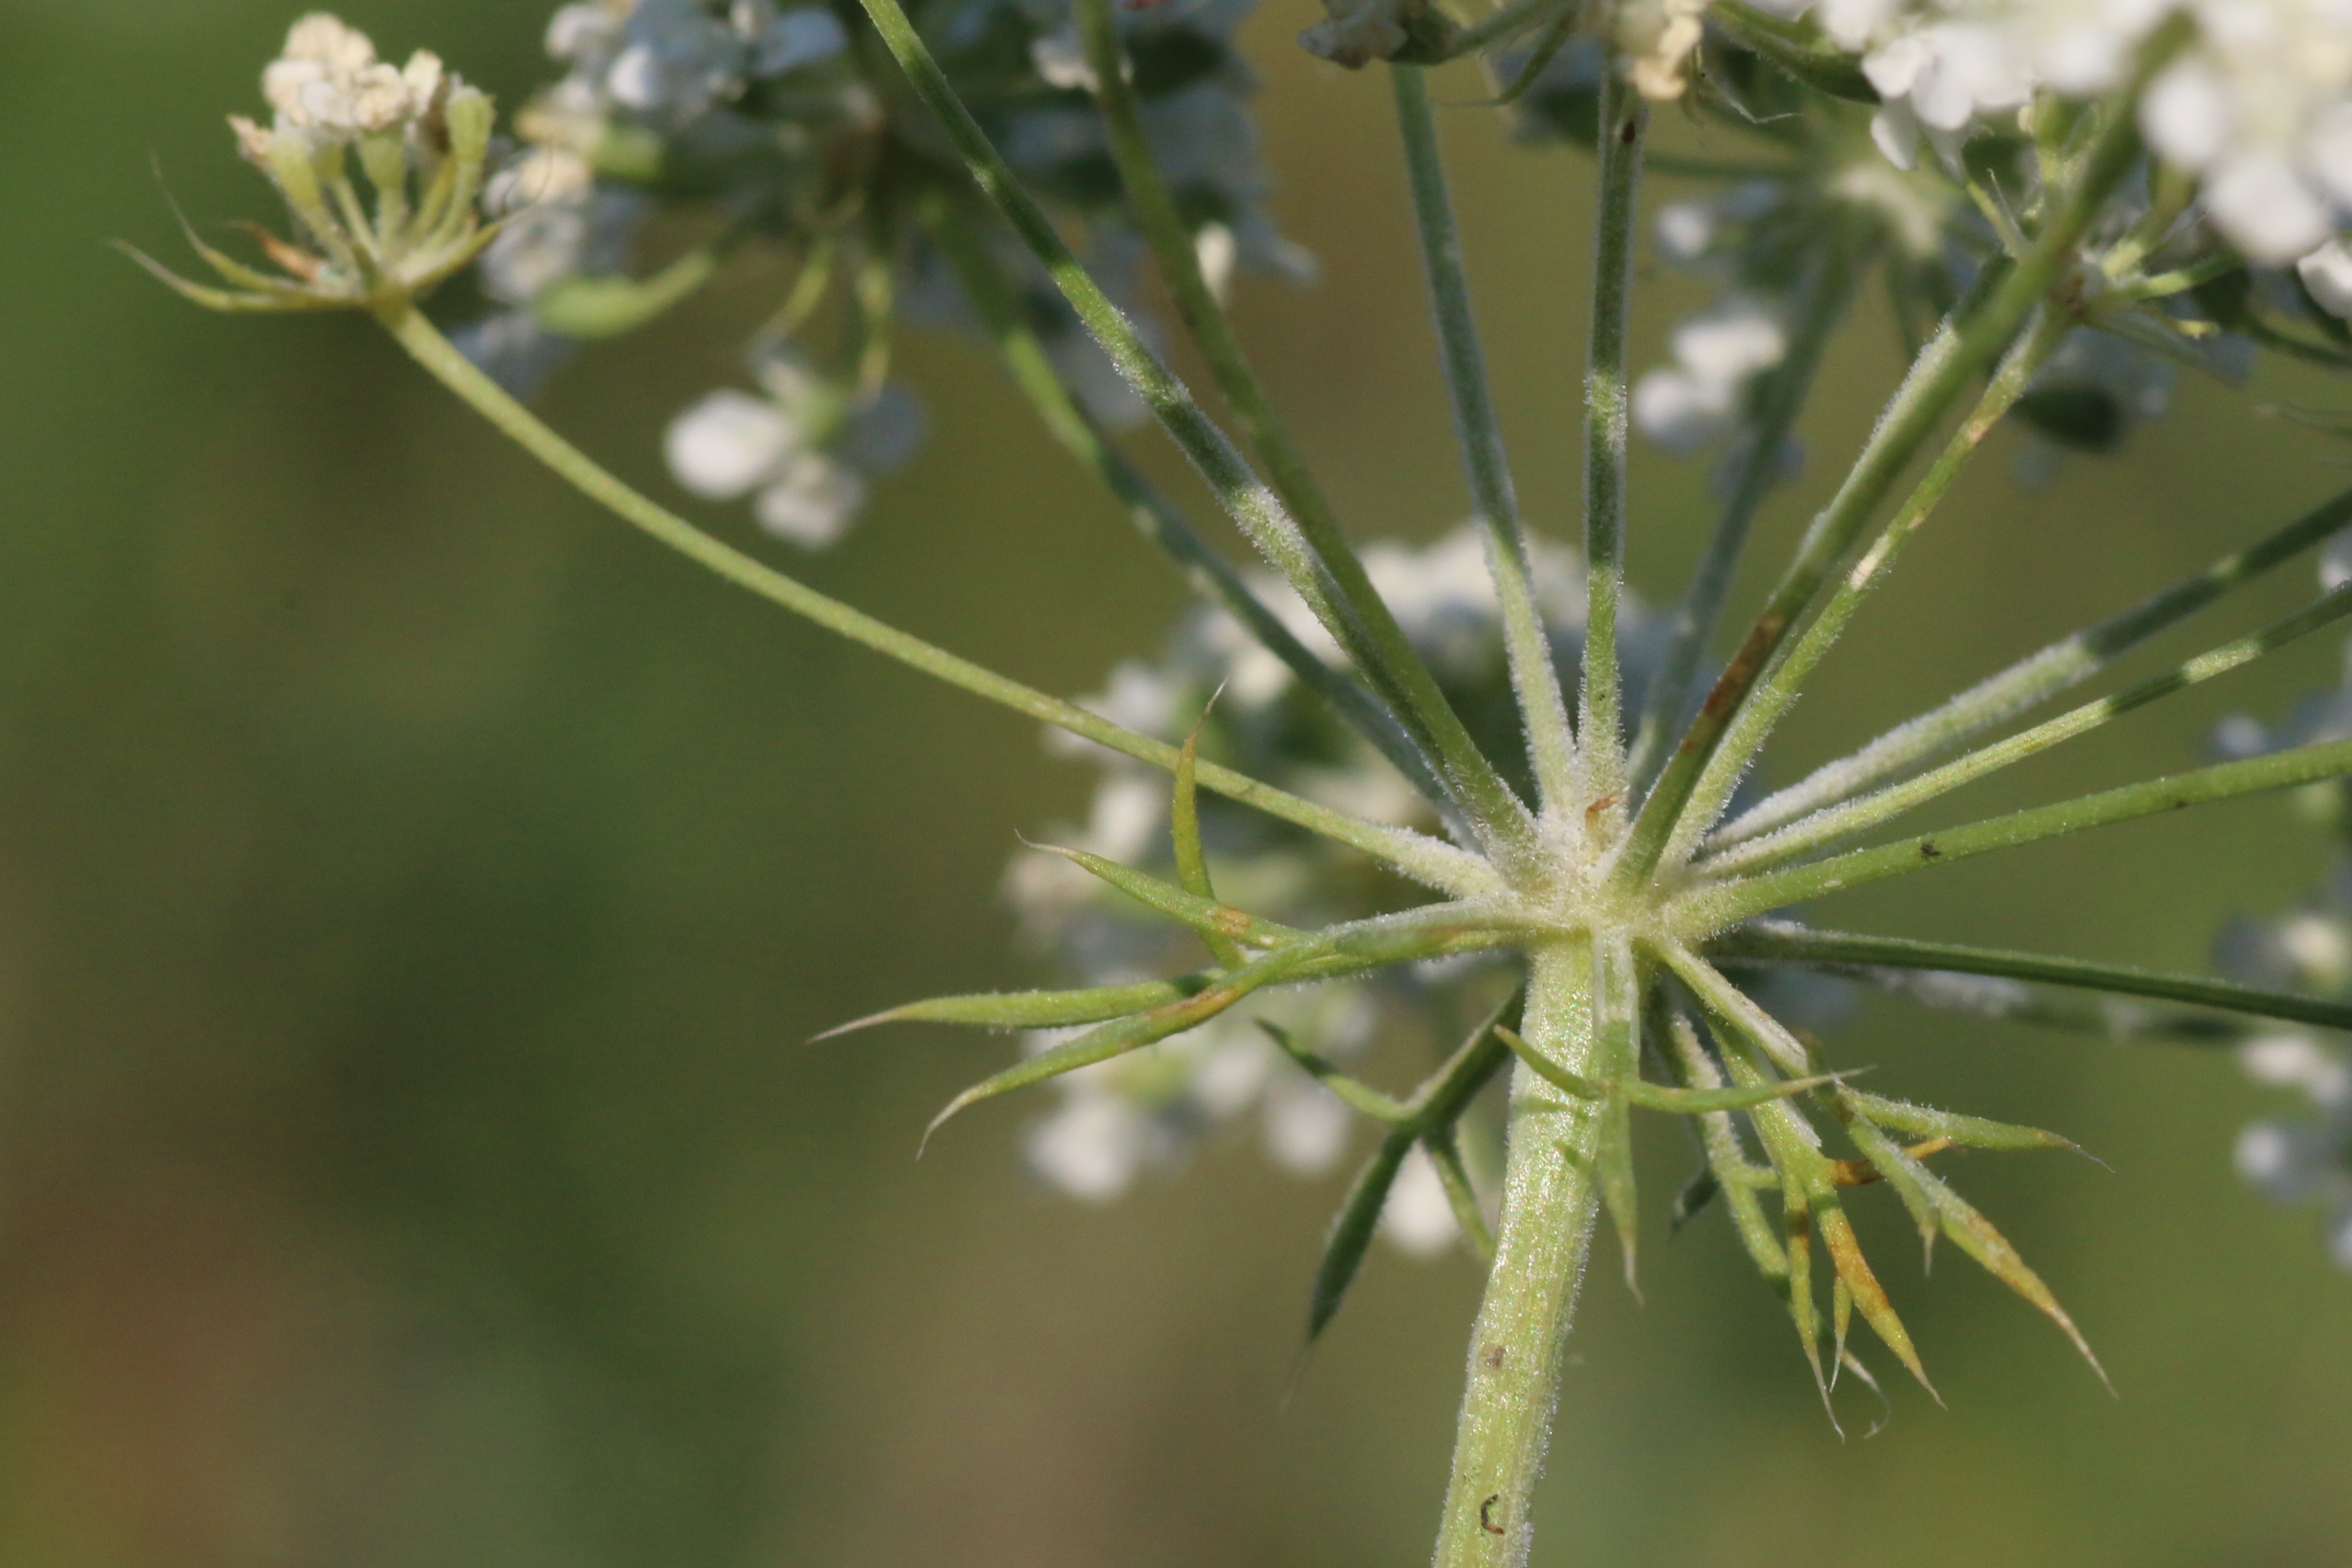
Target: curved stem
[
  {"x": 1426, "y": 859},
  {"x": 1551, "y": 747},
  {"x": 1546, "y": 1226}
]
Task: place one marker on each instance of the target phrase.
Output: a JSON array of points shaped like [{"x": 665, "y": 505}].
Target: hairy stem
[
  {"x": 1426, "y": 859},
  {"x": 1153, "y": 208},
  {"x": 1624, "y": 117},
  {"x": 1722, "y": 904},
  {"x": 991, "y": 292},
  {"x": 1962, "y": 348},
  {"x": 1550, "y": 745},
  {"x": 1820, "y": 302},
  {"x": 1547, "y": 1225},
  {"x": 1316, "y": 559},
  {"x": 2066, "y": 663},
  {"x": 1773, "y": 696},
  {"x": 1842, "y": 822}
]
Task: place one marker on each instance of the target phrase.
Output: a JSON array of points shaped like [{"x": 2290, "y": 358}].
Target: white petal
[
  {"x": 2186, "y": 114},
  {"x": 727, "y": 445},
  {"x": 2262, "y": 206},
  {"x": 1896, "y": 130},
  {"x": 2287, "y": 1061},
  {"x": 635, "y": 80},
  {"x": 1305, "y": 1126},
  {"x": 807, "y": 36},
  {"x": 1129, "y": 817},
  {"x": 1231, "y": 1075},
  {"x": 1730, "y": 343},
  {"x": 2327, "y": 273},
  {"x": 1678, "y": 411},
  {"x": 2328, "y": 150},
  {"x": 814, "y": 504},
  {"x": 578, "y": 29},
  {"x": 331, "y": 42},
  {"x": 1895, "y": 69},
  {"x": 2277, "y": 1160},
  {"x": 1090, "y": 1147},
  {"x": 1684, "y": 230},
  {"x": 1852, "y": 24},
  {"x": 1418, "y": 1217},
  {"x": 2339, "y": 1237}
]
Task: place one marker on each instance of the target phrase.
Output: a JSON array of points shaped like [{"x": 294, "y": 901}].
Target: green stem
[
  {"x": 1624, "y": 117},
  {"x": 1842, "y": 822},
  {"x": 1157, "y": 518},
  {"x": 1781, "y": 941},
  {"x": 1153, "y": 208},
  {"x": 1547, "y": 1225},
  {"x": 1786, "y": 675},
  {"x": 1314, "y": 558},
  {"x": 1960, "y": 352},
  {"x": 1819, "y": 300},
  {"x": 2065, "y": 663},
  {"x": 1426, "y": 859},
  {"x": 1550, "y": 745},
  {"x": 1722, "y": 904}
]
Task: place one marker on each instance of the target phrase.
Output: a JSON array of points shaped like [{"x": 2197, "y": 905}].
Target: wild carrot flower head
[{"x": 421, "y": 138}]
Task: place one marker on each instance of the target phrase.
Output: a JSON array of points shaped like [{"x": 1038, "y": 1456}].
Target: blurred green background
[{"x": 415, "y": 892}]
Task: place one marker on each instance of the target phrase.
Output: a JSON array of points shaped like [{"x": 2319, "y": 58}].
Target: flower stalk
[
  {"x": 1552, "y": 745},
  {"x": 1623, "y": 121},
  {"x": 1417, "y": 855}
]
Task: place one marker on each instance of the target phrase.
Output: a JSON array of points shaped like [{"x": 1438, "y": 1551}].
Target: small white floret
[
  {"x": 1418, "y": 1216},
  {"x": 728, "y": 444}
]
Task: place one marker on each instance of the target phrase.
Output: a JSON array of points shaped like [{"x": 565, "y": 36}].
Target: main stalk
[{"x": 1546, "y": 1223}]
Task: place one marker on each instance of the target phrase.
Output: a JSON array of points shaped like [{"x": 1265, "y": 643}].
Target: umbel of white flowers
[
  {"x": 2258, "y": 105},
  {"x": 804, "y": 452},
  {"x": 420, "y": 135}
]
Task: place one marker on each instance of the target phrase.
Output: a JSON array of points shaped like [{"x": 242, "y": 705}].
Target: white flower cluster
[
  {"x": 2304, "y": 1160},
  {"x": 1717, "y": 354},
  {"x": 2258, "y": 105},
  {"x": 328, "y": 85},
  {"x": 1736, "y": 240},
  {"x": 418, "y": 136},
  {"x": 1143, "y": 1112},
  {"x": 759, "y": 115},
  {"x": 804, "y": 452},
  {"x": 672, "y": 61}
]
